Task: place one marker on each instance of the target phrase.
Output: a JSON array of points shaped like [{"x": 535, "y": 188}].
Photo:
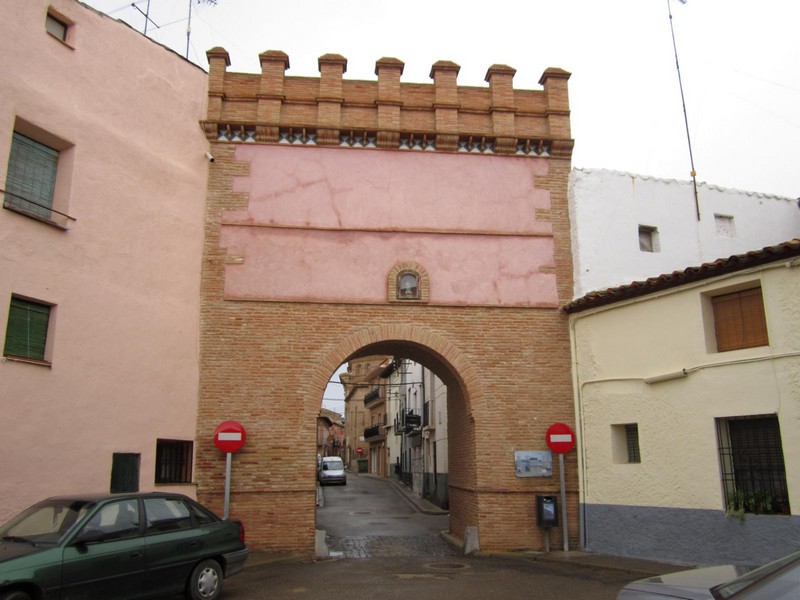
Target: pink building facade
[{"x": 108, "y": 265}]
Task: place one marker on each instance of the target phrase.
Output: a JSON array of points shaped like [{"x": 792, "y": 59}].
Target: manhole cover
[{"x": 365, "y": 512}]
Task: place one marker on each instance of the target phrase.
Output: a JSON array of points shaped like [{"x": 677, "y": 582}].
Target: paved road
[
  {"x": 509, "y": 577},
  {"x": 368, "y": 518},
  {"x": 381, "y": 547}
]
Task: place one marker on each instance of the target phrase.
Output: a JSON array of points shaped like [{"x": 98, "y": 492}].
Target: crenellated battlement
[{"x": 331, "y": 111}]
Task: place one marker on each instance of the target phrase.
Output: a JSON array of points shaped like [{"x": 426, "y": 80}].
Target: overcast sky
[{"x": 739, "y": 61}]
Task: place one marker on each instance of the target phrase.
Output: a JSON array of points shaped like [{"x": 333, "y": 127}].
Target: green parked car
[{"x": 120, "y": 546}]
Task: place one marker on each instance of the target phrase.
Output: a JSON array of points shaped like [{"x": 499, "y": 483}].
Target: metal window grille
[
  {"x": 174, "y": 461},
  {"x": 632, "y": 443},
  {"x": 752, "y": 465}
]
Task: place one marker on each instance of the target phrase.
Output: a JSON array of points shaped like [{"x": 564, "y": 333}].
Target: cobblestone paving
[{"x": 386, "y": 546}]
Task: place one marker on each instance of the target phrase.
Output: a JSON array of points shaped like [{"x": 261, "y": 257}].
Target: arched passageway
[{"x": 436, "y": 355}]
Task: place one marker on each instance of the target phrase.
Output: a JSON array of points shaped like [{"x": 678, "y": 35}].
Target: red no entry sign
[
  {"x": 560, "y": 438},
  {"x": 229, "y": 436}
]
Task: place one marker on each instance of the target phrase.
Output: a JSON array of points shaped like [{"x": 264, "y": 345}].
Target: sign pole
[
  {"x": 229, "y": 437},
  {"x": 561, "y": 439},
  {"x": 563, "y": 501},
  {"x": 225, "y": 514}
]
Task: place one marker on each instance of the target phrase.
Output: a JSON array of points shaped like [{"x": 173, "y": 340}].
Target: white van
[{"x": 331, "y": 470}]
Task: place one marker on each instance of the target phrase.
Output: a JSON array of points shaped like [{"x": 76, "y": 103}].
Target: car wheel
[
  {"x": 205, "y": 582},
  {"x": 15, "y": 595}
]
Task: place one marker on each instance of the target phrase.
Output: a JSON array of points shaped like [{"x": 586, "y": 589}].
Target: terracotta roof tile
[{"x": 737, "y": 262}]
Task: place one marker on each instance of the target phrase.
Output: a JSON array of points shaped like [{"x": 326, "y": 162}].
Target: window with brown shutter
[{"x": 739, "y": 320}]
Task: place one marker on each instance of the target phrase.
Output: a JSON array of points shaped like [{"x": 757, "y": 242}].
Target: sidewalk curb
[{"x": 419, "y": 504}]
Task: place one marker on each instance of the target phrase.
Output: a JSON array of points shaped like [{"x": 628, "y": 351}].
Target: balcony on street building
[
  {"x": 373, "y": 399},
  {"x": 374, "y": 434}
]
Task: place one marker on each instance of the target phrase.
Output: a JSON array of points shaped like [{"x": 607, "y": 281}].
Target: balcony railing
[
  {"x": 35, "y": 210},
  {"x": 374, "y": 433},
  {"x": 373, "y": 399}
]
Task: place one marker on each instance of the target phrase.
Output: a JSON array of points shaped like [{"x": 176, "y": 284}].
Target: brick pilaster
[
  {"x": 554, "y": 82},
  {"x": 389, "y": 71},
  {"x": 218, "y": 62},
  {"x": 444, "y": 74},
  {"x": 274, "y": 64},
  {"x": 501, "y": 84},
  {"x": 329, "y": 102}
]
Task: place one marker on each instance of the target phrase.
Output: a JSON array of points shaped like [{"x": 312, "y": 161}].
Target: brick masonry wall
[{"x": 266, "y": 364}]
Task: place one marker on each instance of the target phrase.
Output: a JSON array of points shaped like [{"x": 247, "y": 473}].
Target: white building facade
[
  {"x": 421, "y": 423},
  {"x": 628, "y": 227}
]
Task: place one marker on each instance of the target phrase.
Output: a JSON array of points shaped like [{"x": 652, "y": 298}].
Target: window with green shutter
[
  {"x": 31, "y": 178},
  {"x": 26, "y": 333}
]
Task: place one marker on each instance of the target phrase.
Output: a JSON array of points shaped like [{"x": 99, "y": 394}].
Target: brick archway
[
  {"x": 464, "y": 395},
  {"x": 320, "y": 195},
  {"x": 430, "y": 347}
]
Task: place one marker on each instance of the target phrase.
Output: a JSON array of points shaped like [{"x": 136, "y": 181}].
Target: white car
[{"x": 778, "y": 580}]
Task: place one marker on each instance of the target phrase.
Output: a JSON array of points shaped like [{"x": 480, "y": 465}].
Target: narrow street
[{"x": 369, "y": 518}]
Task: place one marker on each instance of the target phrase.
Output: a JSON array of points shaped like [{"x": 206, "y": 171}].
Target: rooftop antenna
[
  {"x": 189, "y": 23},
  {"x": 683, "y": 101},
  {"x": 146, "y": 14}
]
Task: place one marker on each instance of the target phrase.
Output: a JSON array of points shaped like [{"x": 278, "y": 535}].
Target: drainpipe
[{"x": 577, "y": 394}]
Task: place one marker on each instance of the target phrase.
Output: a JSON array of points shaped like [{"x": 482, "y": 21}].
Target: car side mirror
[{"x": 89, "y": 536}]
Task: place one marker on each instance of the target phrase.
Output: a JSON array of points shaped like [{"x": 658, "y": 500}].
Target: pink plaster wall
[
  {"x": 328, "y": 224},
  {"x": 124, "y": 280}
]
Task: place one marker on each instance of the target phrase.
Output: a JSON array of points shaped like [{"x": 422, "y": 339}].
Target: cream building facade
[{"x": 687, "y": 392}]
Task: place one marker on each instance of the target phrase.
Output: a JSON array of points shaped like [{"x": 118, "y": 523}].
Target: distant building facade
[
  {"x": 687, "y": 395},
  {"x": 421, "y": 424},
  {"x": 628, "y": 227},
  {"x": 366, "y": 414},
  {"x": 330, "y": 433},
  {"x": 103, "y": 180}
]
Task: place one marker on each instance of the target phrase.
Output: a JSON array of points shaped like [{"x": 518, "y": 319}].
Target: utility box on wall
[{"x": 547, "y": 511}]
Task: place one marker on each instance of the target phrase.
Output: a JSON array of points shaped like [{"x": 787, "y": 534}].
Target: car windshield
[
  {"x": 46, "y": 522},
  {"x": 333, "y": 465},
  {"x": 787, "y": 565}
]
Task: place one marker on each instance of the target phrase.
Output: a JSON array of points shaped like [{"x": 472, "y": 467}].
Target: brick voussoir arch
[{"x": 461, "y": 370}]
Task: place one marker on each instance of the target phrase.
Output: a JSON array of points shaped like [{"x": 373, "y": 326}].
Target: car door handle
[
  {"x": 136, "y": 554},
  {"x": 194, "y": 544}
]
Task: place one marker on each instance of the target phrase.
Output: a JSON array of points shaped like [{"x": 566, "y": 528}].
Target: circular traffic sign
[
  {"x": 560, "y": 438},
  {"x": 229, "y": 436}
]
